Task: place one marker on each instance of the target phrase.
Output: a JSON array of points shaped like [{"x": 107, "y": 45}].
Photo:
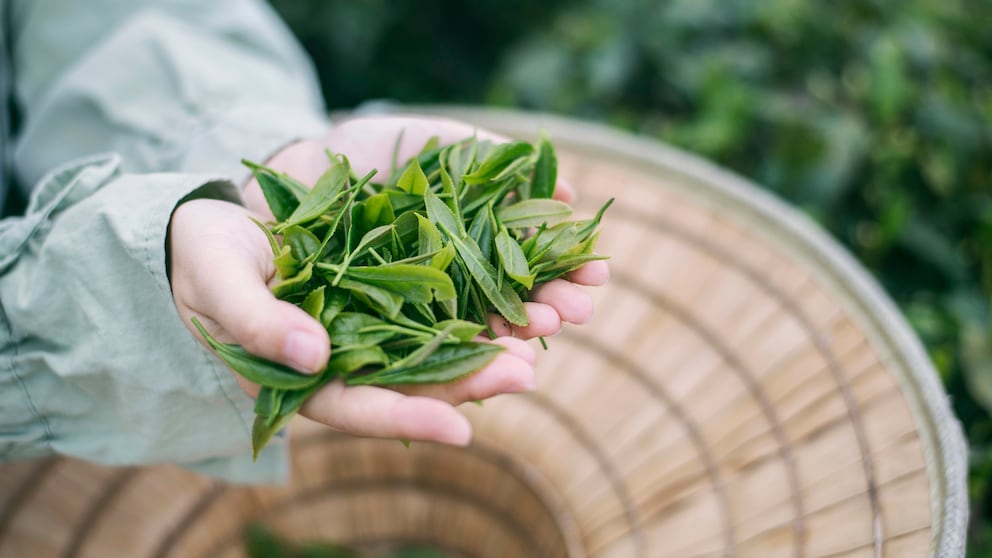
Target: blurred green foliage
[
  {"x": 262, "y": 542},
  {"x": 873, "y": 116}
]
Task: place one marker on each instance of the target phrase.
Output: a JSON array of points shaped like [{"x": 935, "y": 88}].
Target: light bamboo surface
[{"x": 744, "y": 390}]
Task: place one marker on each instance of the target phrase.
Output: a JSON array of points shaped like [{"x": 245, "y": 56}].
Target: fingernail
[
  {"x": 459, "y": 434},
  {"x": 304, "y": 351}
]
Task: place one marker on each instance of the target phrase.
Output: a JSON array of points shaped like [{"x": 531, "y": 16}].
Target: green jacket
[{"x": 125, "y": 109}]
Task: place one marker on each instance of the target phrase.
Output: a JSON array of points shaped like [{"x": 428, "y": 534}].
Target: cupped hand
[
  {"x": 369, "y": 143},
  {"x": 221, "y": 266}
]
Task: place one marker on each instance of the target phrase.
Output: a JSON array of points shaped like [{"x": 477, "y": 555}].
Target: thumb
[
  {"x": 265, "y": 326},
  {"x": 220, "y": 266}
]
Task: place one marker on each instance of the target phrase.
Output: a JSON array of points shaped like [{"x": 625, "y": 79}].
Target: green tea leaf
[
  {"x": 347, "y": 329},
  {"x": 415, "y": 283},
  {"x": 294, "y": 284},
  {"x": 441, "y": 215},
  {"x": 448, "y": 363},
  {"x": 268, "y": 401},
  {"x": 256, "y": 369},
  {"x": 413, "y": 179},
  {"x": 545, "y": 171},
  {"x": 334, "y": 302},
  {"x": 456, "y": 161},
  {"x": 347, "y": 361},
  {"x": 432, "y": 145},
  {"x": 268, "y": 236},
  {"x": 481, "y": 231},
  {"x": 587, "y": 227},
  {"x": 428, "y": 237},
  {"x": 450, "y": 192},
  {"x": 370, "y": 238},
  {"x": 533, "y": 213},
  {"x": 375, "y": 211},
  {"x": 503, "y": 297},
  {"x": 403, "y": 202},
  {"x": 513, "y": 260},
  {"x": 521, "y": 166},
  {"x": 313, "y": 304},
  {"x": 328, "y": 190},
  {"x": 443, "y": 258},
  {"x": 422, "y": 352},
  {"x": 262, "y": 432},
  {"x": 557, "y": 268},
  {"x": 281, "y": 192},
  {"x": 381, "y": 300},
  {"x": 286, "y": 264},
  {"x": 498, "y": 159},
  {"x": 303, "y": 243},
  {"x": 462, "y": 329}
]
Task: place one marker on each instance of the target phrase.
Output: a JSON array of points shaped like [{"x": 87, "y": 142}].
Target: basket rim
[{"x": 945, "y": 451}]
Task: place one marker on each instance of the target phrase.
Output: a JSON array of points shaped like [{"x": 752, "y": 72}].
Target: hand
[{"x": 221, "y": 267}]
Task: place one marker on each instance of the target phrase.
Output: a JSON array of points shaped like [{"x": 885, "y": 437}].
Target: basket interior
[{"x": 728, "y": 399}]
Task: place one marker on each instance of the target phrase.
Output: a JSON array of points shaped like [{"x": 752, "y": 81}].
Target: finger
[
  {"x": 544, "y": 322},
  {"x": 518, "y": 348},
  {"x": 507, "y": 373},
  {"x": 564, "y": 191},
  {"x": 384, "y": 413},
  {"x": 593, "y": 274},
  {"x": 370, "y": 142},
  {"x": 236, "y": 298},
  {"x": 571, "y": 303}
]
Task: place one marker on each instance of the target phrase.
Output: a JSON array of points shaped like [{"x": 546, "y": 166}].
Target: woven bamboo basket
[{"x": 744, "y": 390}]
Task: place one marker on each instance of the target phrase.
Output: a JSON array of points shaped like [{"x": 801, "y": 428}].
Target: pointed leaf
[
  {"x": 334, "y": 303},
  {"x": 413, "y": 179},
  {"x": 302, "y": 242},
  {"x": 545, "y": 171},
  {"x": 346, "y": 329},
  {"x": 256, "y": 369},
  {"x": 348, "y": 361},
  {"x": 461, "y": 329},
  {"x": 503, "y": 297},
  {"x": 385, "y": 302},
  {"x": 415, "y": 283},
  {"x": 448, "y": 363},
  {"x": 328, "y": 190},
  {"x": 481, "y": 231},
  {"x": 262, "y": 432},
  {"x": 313, "y": 304},
  {"x": 513, "y": 260},
  {"x": 498, "y": 159},
  {"x": 533, "y": 213},
  {"x": 294, "y": 284},
  {"x": 282, "y": 193},
  {"x": 286, "y": 264}
]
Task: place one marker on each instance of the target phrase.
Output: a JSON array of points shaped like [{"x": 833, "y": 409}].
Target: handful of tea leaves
[{"x": 404, "y": 273}]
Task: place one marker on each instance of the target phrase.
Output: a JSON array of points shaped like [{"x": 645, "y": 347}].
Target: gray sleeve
[
  {"x": 94, "y": 360},
  {"x": 130, "y": 107},
  {"x": 168, "y": 85}
]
